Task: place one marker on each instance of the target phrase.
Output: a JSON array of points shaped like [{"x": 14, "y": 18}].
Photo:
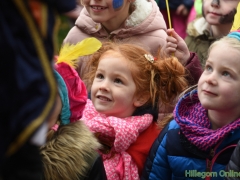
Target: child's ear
[{"x": 141, "y": 99}]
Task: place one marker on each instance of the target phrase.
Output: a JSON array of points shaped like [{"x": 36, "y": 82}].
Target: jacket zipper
[{"x": 210, "y": 163}]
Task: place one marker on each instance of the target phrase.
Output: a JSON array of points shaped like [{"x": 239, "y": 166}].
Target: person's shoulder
[
  {"x": 82, "y": 29},
  {"x": 160, "y": 142},
  {"x": 197, "y": 27},
  {"x": 172, "y": 125},
  {"x": 146, "y": 17},
  {"x": 75, "y": 35}
]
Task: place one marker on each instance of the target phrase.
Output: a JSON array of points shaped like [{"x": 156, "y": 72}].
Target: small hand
[
  {"x": 176, "y": 46},
  {"x": 182, "y": 10}
]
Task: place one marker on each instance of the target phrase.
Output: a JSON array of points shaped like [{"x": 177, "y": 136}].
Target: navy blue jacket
[{"x": 27, "y": 84}]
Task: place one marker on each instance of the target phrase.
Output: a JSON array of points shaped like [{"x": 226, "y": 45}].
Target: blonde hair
[
  {"x": 229, "y": 41},
  {"x": 69, "y": 151},
  {"x": 164, "y": 79}
]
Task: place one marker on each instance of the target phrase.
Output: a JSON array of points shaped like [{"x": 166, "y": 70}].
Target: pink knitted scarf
[
  {"x": 195, "y": 125},
  {"x": 118, "y": 164}
]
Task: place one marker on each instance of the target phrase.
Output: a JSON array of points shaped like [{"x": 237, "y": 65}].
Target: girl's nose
[
  {"x": 104, "y": 86},
  {"x": 215, "y": 3},
  {"x": 211, "y": 79}
]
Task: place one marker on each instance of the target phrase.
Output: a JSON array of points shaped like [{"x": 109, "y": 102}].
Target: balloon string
[
  {"x": 169, "y": 18},
  {"x": 168, "y": 13}
]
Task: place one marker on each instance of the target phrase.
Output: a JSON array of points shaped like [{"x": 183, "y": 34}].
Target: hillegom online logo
[{"x": 222, "y": 173}]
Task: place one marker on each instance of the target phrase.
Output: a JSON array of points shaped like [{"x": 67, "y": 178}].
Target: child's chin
[{"x": 102, "y": 111}]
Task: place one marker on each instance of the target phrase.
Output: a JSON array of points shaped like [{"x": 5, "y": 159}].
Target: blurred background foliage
[{"x": 64, "y": 26}]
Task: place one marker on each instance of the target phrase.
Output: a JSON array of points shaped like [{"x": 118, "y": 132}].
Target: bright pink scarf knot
[{"x": 125, "y": 131}]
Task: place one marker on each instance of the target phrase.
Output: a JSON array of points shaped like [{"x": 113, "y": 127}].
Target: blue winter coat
[{"x": 172, "y": 156}]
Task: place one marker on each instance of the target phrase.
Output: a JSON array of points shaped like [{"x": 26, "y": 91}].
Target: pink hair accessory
[{"x": 54, "y": 127}]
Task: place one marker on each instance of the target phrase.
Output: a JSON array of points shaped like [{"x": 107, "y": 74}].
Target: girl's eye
[
  {"x": 225, "y": 73},
  {"x": 208, "y": 68},
  {"x": 99, "y": 76},
  {"x": 119, "y": 81}
]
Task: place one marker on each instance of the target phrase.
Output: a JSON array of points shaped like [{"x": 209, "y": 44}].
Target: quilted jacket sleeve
[
  {"x": 194, "y": 69},
  {"x": 234, "y": 163},
  {"x": 156, "y": 165}
]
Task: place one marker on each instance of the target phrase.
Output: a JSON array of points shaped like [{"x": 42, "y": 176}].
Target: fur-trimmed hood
[
  {"x": 70, "y": 153},
  {"x": 198, "y": 27},
  {"x": 145, "y": 26}
]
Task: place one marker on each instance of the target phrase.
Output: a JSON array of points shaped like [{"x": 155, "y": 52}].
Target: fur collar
[
  {"x": 142, "y": 10},
  {"x": 201, "y": 25},
  {"x": 70, "y": 153},
  {"x": 198, "y": 27}
]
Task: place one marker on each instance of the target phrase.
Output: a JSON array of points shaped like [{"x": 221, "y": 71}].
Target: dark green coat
[{"x": 199, "y": 38}]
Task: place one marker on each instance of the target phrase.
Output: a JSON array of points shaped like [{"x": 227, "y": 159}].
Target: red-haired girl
[{"x": 128, "y": 85}]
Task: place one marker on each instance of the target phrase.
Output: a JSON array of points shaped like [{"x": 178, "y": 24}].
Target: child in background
[
  {"x": 71, "y": 148},
  {"x": 127, "y": 86},
  {"x": 179, "y": 11},
  {"x": 206, "y": 125},
  {"x": 121, "y": 20},
  {"x": 130, "y": 21},
  {"x": 217, "y": 20}
]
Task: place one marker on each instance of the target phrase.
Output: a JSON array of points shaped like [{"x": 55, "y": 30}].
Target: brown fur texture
[{"x": 70, "y": 152}]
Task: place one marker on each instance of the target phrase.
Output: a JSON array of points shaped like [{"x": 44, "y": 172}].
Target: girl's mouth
[
  {"x": 103, "y": 98},
  {"x": 215, "y": 14},
  {"x": 98, "y": 7},
  {"x": 209, "y": 93}
]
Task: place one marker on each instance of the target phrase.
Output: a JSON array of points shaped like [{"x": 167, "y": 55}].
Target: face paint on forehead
[
  {"x": 117, "y": 3},
  {"x": 228, "y": 18},
  {"x": 215, "y": 2}
]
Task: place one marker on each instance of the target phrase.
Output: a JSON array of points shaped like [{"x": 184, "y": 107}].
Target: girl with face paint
[
  {"x": 135, "y": 21},
  {"x": 217, "y": 20}
]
